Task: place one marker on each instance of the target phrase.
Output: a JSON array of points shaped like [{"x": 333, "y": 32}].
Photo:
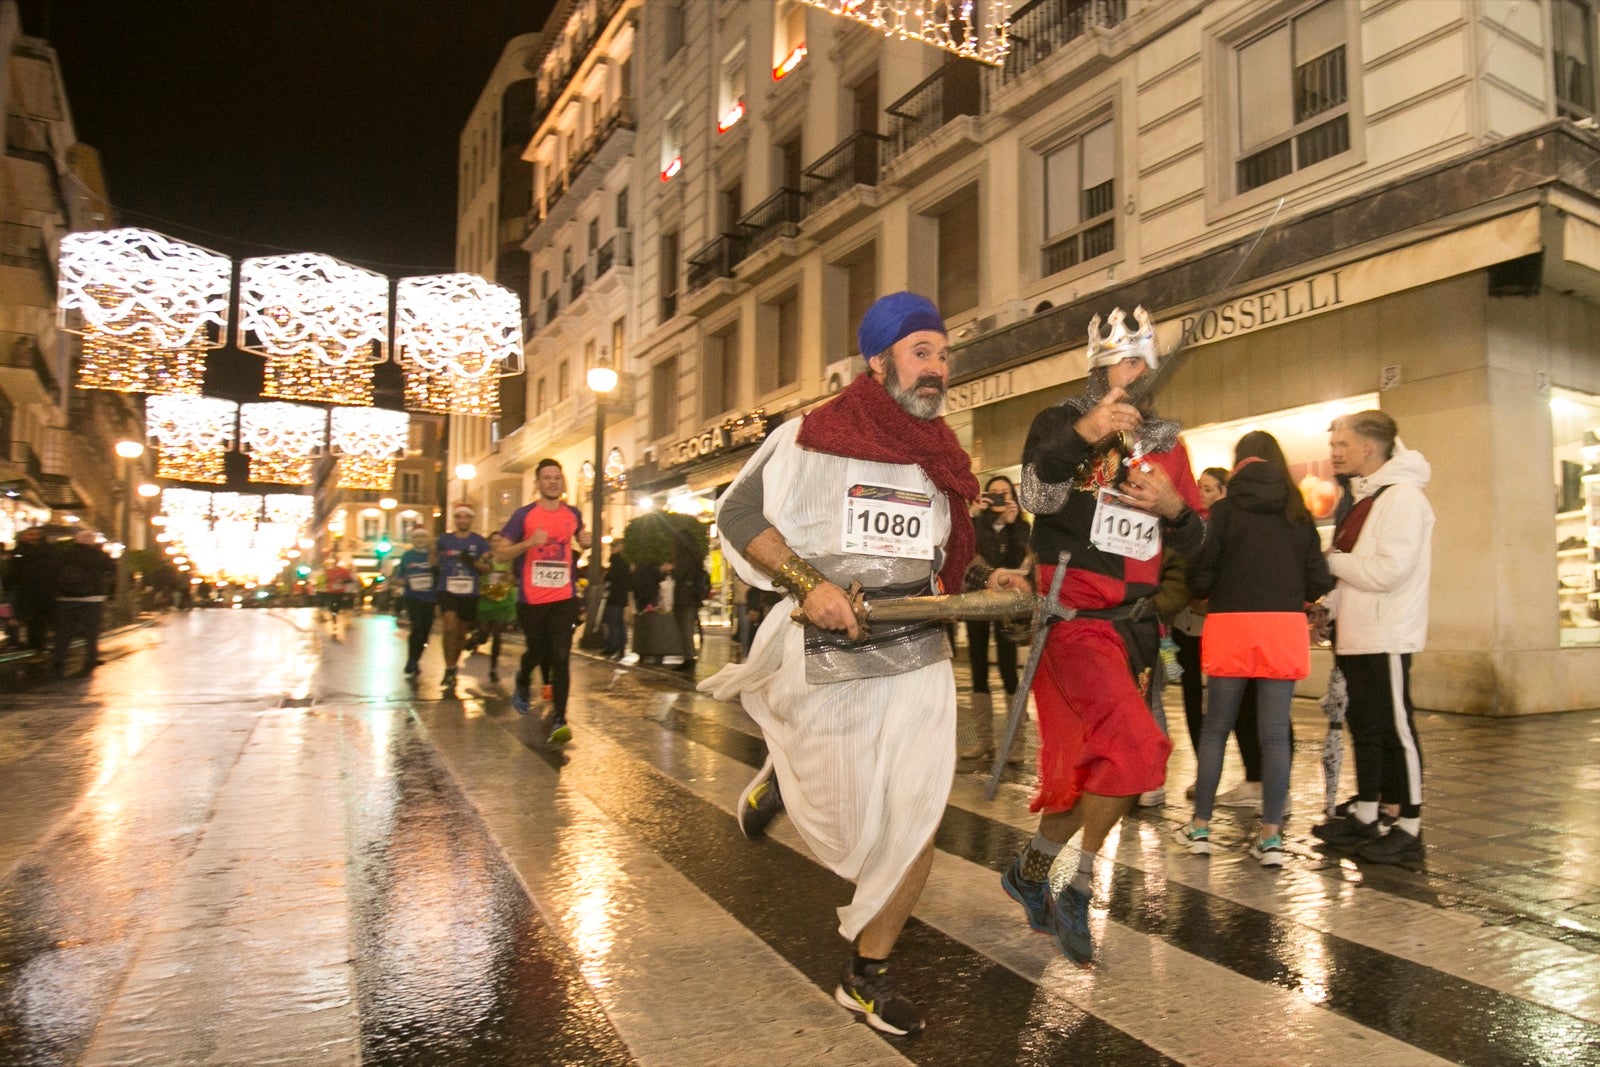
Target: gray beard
[{"x": 918, "y": 407}]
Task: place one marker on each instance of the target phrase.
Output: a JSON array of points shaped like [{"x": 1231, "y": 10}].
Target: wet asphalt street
[{"x": 248, "y": 841}]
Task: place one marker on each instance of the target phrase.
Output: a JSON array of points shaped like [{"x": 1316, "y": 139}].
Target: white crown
[{"x": 1117, "y": 344}]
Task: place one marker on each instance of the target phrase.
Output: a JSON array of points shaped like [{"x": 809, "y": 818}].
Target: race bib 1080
[
  {"x": 1123, "y": 530},
  {"x": 886, "y": 520}
]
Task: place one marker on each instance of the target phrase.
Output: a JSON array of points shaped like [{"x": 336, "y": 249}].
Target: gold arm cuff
[{"x": 798, "y": 577}]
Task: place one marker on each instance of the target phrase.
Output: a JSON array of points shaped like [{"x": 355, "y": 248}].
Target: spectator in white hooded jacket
[{"x": 1381, "y": 558}]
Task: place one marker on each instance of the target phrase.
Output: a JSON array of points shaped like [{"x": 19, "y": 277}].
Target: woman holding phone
[{"x": 1002, "y": 535}]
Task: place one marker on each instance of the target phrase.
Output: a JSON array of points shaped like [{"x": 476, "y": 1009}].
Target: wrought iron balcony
[
  {"x": 779, "y": 215},
  {"x": 854, "y": 161},
  {"x": 715, "y": 260},
  {"x": 953, "y": 90},
  {"x": 617, "y": 251},
  {"x": 1043, "y": 27},
  {"x": 552, "y": 307},
  {"x": 22, "y": 455},
  {"x": 576, "y": 283}
]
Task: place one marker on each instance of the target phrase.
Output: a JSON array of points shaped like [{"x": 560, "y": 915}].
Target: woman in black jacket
[
  {"x": 1261, "y": 565},
  {"x": 1002, "y": 541}
]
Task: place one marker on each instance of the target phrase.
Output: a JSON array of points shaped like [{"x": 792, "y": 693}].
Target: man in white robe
[{"x": 860, "y": 728}]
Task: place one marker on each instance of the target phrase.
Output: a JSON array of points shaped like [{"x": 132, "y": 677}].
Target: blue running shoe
[
  {"x": 1069, "y": 922},
  {"x": 519, "y": 700},
  {"x": 1033, "y": 896}
]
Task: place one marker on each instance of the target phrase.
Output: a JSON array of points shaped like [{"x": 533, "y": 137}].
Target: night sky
[{"x": 253, "y": 127}]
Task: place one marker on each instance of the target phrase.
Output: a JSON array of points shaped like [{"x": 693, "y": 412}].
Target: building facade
[
  {"x": 56, "y": 458},
  {"x": 1436, "y": 253}
]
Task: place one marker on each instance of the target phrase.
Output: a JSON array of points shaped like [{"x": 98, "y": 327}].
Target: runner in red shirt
[{"x": 540, "y": 537}]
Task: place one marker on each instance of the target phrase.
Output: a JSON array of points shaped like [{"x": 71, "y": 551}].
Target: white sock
[
  {"x": 1083, "y": 881},
  {"x": 1367, "y": 810},
  {"x": 1410, "y": 826}
]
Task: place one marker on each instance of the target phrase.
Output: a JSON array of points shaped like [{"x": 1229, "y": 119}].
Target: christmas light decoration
[
  {"x": 367, "y": 441},
  {"x": 454, "y": 334},
  {"x": 283, "y": 441},
  {"x": 946, "y": 24},
  {"x": 290, "y": 509},
  {"x": 192, "y": 433},
  {"x": 148, "y": 307},
  {"x": 320, "y": 323},
  {"x": 448, "y": 394}
]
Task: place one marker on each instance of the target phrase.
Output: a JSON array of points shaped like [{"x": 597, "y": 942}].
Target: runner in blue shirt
[
  {"x": 417, "y": 573},
  {"x": 463, "y": 555}
]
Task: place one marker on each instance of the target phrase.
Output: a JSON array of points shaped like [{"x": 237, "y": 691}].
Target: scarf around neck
[{"x": 864, "y": 422}]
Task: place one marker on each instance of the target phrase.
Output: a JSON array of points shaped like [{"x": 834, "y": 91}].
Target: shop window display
[
  {"x": 1303, "y": 433},
  {"x": 1575, "y": 422}
]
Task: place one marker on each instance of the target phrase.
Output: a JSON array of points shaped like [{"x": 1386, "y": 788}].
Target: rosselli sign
[
  {"x": 1270, "y": 307},
  {"x": 744, "y": 430}
]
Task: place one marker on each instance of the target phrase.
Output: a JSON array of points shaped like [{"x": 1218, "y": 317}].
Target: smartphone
[{"x": 995, "y": 500}]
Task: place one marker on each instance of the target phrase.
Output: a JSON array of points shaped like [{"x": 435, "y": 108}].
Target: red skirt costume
[{"x": 1097, "y": 733}]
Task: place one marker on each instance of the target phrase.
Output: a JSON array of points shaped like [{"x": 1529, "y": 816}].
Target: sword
[
  {"x": 1049, "y": 611},
  {"x": 989, "y": 605},
  {"x": 1142, "y": 393}
]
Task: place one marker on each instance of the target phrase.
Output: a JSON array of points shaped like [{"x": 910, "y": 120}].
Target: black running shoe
[
  {"x": 1347, "y": 831},
  {"x": 1397, "y": 846},
  {"x": 760, "y": 803},
  {"x": 873, "y": 995}
]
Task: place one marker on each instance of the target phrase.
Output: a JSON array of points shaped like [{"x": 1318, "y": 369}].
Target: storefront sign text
[
  {"x": 745, "y": 430},
  {"x": 1319, "y": 292},
  {"x": 983, "y": 391}
]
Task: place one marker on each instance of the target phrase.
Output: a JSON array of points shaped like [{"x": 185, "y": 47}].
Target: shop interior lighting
[
  {"x": 730, "y": 118},
  {"x": 790, "y": 61},
  {"x": 947, "y": 24},
  {"x": 148, "y": 308},
  {"x": 321, "y": 325}
]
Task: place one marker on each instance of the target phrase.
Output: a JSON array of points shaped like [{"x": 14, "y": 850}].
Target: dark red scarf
[{"x": 864, "y": 422}]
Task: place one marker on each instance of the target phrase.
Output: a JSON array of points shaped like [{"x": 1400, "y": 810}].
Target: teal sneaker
[{"x": 1033, "y": 896}]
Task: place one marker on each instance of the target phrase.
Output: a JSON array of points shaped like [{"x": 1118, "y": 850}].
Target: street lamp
[
  {"x": 466, "y": 472},
  {"x": 129, "y": 450},
  {"x": 602, "y": 379}
]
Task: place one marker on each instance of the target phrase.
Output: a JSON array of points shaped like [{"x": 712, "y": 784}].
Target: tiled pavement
[{"x": 250, "y": 841}]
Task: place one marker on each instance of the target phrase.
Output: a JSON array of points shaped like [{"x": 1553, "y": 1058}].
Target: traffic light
[
  {"x": 384, "y": 547},
  {"x": 302, "y": 571}
]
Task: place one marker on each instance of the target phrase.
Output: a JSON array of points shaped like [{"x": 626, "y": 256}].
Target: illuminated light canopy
[
  {"x": 148, "y": 308},
  {"x": 290, "y": 510},
  {"x": 367, "y": 441},
  {"x": 455, "y": 334},
  {"x": 946, "y": 24},
  {"x": 283, "y": 441},
  {"x": 192, "y": 433},
  {"x": 320, "y": 323}
]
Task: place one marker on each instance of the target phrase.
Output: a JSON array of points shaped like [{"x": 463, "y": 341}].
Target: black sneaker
[
  {"x": 449, "y": 679},
  {"x": 1396, "y": 846},
  {"x": 873, "y": 995},
  {"x": 519, "y": 699},
  {"x": 1347, "y": 831},
  {"x": 760, "y": 802},
  {"x": 1033, "y": 896}
]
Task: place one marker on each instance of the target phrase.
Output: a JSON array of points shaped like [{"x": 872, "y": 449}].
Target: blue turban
[{"x": 893, "y": 317}]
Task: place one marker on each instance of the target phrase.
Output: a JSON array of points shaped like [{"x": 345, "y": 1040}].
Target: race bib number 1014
[
  {"x": 885, "y": 520},
  {"x": 1124, "y": 530}
]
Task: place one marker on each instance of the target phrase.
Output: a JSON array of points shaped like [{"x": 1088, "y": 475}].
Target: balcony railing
[
  {"x": 779, "y": 215},
  {"x": 21, "y": 350},
  {"x": 23, "y": 246},
  {"x": 1043, "y": 27},
  {"x": 854, "y": 161},
  {"x": 552, "y": 307},
  {"x": 576, "y": 283},
  {"x": 617, "y": 251},
  {"x": 27, "y": 137},
  {"x": 953, "y": 90},
  {"x": 714, "y": 260}
]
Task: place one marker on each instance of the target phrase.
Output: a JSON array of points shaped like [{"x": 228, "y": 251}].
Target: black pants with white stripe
[{"x": 1383, "y": 731}]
